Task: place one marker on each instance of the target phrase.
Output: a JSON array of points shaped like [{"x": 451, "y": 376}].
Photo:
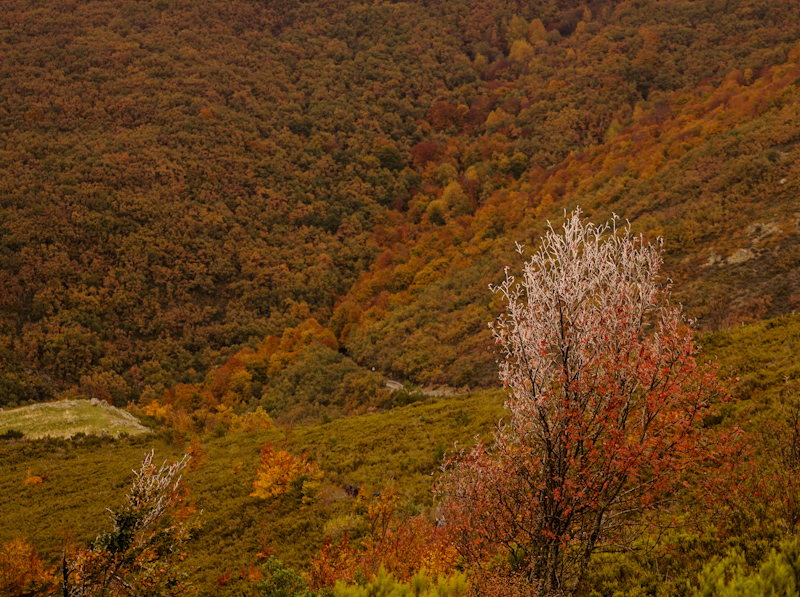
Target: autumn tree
[
  {"x": 23, "y": 571},
  {"x": 605, "y": 397},
  {"x": 137, "y": 556},
  {"x": 279, "y": 471},
  {"x": 397, "y": 544}
]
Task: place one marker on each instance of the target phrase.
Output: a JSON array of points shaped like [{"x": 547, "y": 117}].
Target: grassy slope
[
  {"x": 764, "y": 360},
  {"x": 399, "y": 448},
  {"x": 65, "y": 419},
  {"x": 84, "y": 477}
]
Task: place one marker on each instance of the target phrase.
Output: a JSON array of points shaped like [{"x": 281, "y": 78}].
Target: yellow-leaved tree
[{"x": 279, "y": 471}]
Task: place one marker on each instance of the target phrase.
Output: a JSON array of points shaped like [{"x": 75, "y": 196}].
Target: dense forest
[
  {"x": 234, "y": 217},
  {"x": 181, "y": 182}
]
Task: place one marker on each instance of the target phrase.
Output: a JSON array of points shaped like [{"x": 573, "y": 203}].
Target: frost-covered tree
[
  {"x": 137, "y": 556},
  {"x": 605, "y": 398}
]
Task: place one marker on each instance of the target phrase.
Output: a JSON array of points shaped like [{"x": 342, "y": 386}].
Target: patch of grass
[
  {"x": 68, "y": 418},
  {"x": 83, "y": 477},
  {"x": 763, "y": 362}
]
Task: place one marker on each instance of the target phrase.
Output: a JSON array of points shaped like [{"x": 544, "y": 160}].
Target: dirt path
[{"x": 437, "y": 392}]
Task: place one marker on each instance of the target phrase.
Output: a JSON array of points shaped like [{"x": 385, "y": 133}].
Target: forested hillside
[
  {"x": 270, "y": 229},
  {"x": 183, "y": 180},
  {"x": 180, "y": 179}
]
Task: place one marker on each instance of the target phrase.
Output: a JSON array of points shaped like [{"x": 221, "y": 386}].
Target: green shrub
[
  {"x": 385, "y": 585},
  {"x": 282, "y": 582},
  {"x": 779, "y": 574},
  {"x": 348, "y": 524},
  {"x": 407, "y": 395}
]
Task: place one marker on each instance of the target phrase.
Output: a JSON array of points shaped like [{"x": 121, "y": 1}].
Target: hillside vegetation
[
  {"x": 374, "y": 452},
  {"x": 241, "y": 219},
  {"x": 400, "y": 449}
]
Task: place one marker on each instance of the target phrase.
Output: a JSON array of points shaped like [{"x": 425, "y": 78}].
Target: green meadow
[{"x": 68, "y": 418}]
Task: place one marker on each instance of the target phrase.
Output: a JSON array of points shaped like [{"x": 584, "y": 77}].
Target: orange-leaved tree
[
  {"x": 400, "y": 545},
  {"x": 605, "y": 401},
  {"x": 22, "y": 570},
  {"x": 279, "y": 470}
]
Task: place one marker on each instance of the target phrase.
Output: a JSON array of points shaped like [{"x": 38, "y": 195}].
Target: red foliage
[
  {"x": 222, "y": 375},
  {"x": 335, "y": 562},
  {"x": 402, "y": 546},
  {"x": 443, "y": 115},
  {"x": 224, "y": 578},
  {"x": 424, "y": 152},
  {"x": 606, "y": 408}
]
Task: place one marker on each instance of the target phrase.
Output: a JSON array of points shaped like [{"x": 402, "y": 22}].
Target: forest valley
[{"x": 239, "y": 220}]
